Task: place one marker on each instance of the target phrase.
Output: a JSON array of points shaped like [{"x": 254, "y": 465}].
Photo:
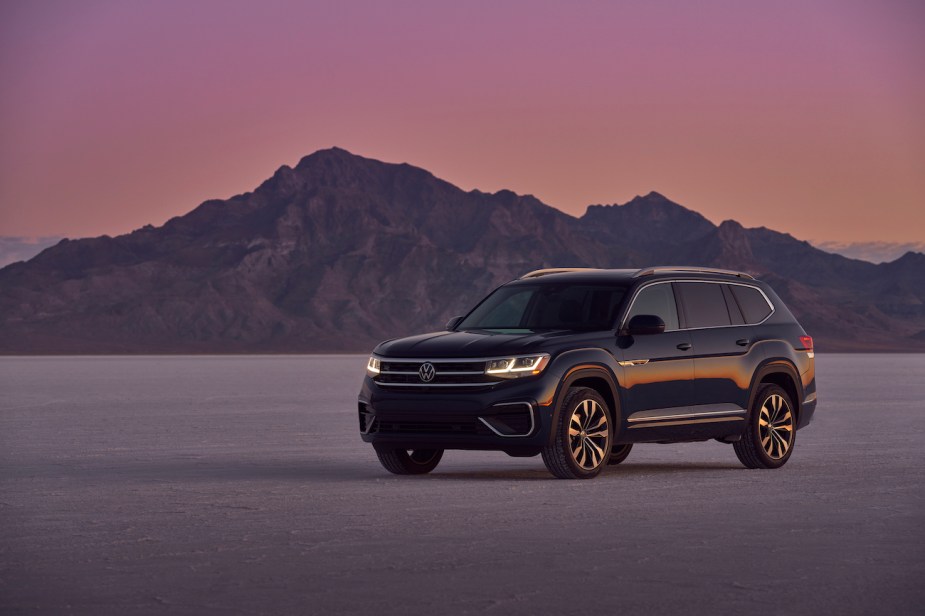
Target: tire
[
  {"x": 771, "y": 423},
  {"x": 619, "y": 453},
  {"x": 409, "y": 462},
  {"x": 584, "y": 432}
]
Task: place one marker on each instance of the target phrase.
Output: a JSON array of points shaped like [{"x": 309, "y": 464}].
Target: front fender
[{"x": 572, "y": 366}]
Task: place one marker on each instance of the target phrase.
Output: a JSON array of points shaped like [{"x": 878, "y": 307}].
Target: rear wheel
[
  {"x": 771, "y": 432},
  {"x": 581, "y": 446},
  {"x": 619, "y": 453},
  {"x": 409, "y": 461}
]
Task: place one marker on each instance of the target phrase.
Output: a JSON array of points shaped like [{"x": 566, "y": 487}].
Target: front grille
[
  {"x": 462, "y": 427},
  {"x": 447, "y": 373}
]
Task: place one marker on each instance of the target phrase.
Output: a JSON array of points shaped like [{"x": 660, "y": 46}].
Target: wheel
[
  {"x": 619, "y": 453},
  {"x": 771, "y": 432},
  {"x": 409, "y": 462},
  {"x": 583, "y": 435}
]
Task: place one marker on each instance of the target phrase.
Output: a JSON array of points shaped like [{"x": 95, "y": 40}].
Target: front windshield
[{"x": 522, "y": 307}]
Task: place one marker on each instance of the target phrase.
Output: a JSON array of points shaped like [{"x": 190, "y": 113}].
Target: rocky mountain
[{"x": 341, "y": 251}]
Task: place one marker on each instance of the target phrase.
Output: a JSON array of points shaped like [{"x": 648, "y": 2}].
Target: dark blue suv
[{"x": 580, "y": 364}]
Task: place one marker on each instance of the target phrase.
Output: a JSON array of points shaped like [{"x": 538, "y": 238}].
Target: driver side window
[{"x": 657, "y": 299}]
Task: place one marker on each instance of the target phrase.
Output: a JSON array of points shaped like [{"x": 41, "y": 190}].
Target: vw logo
[{"x": 427, "y": 372}]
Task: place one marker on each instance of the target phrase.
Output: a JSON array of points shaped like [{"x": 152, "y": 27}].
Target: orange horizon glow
[{"x": 802, "y": 117}]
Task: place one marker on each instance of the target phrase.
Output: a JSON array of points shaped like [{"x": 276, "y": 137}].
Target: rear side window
[
  {"x": 754, "y": 306},
  {"x": 657, "y": 299},
  {"x": 704, "y": 304},
  {"x": 734, "y": 313}
]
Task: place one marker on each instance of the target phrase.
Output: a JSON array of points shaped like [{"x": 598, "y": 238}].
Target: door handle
[
  {"x": 684, "y": 346},
  {"x": 742, "y": 342}
]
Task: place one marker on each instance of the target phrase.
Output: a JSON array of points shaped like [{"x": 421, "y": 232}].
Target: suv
[{"x": 580, "y": 364}]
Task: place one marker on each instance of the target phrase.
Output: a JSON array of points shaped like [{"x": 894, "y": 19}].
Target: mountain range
[{"x": 340, "y": 252}]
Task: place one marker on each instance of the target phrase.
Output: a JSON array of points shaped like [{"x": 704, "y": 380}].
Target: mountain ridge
[{"x": 341, "y": 251}]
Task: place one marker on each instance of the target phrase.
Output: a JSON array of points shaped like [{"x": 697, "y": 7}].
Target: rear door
[{"x": 719, "y": 342}]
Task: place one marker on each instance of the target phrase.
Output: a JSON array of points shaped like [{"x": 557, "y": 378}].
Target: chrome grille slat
[{"x": 450, "y": 372}]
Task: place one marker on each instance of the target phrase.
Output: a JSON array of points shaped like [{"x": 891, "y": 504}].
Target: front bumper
[{"x": 514, "y": 417}]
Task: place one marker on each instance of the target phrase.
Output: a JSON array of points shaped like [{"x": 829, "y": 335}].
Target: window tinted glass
[
  {"x": 754, "y": 307},
  {"x": 508, "y": 312},
  {"x": 547, "y": 306},
  {"x": 657, "y": 299},
  {"x": 704, "y": 304},
  {"x": 734, "y": 313}
]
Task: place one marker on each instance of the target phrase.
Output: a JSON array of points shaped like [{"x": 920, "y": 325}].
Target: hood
[{"x": 465, "y": 344}]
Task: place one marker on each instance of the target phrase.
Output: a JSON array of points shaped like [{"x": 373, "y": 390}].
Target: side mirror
[
  {"x": 452, "y": 323},
  {"x": 645, "y": 325}
]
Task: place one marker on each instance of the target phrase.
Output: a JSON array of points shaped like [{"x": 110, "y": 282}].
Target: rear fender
[{"x": 778, "y": 366}]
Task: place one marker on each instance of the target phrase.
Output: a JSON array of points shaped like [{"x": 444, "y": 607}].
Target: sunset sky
[{"x": 806, "y": 117}]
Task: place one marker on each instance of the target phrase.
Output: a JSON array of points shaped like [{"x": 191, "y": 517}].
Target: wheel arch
[
  {"x": 784, "y": 374},
  {"x": 594, "y": 376}
]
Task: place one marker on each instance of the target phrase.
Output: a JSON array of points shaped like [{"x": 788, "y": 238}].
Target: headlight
[
  {"x": 513, "y": 367},
  {"x": 372, "y": 366}
]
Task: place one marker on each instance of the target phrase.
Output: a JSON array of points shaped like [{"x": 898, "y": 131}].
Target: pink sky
[{"x": 806, "y": 117}]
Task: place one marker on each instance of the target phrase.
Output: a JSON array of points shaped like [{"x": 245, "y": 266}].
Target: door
[
  {"x": 719, "y": 342},
  {"x": 658, "y": 369}
]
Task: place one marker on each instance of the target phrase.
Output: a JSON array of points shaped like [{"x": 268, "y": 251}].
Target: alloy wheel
[
  {"x": 588, "y": 431},
  {"x": 775, "y": 426}
]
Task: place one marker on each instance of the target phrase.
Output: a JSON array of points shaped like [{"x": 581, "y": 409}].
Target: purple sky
[{"x": 802, "y": 116}]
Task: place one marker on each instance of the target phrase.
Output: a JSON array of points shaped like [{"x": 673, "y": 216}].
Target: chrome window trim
[
  {"x": 532, "y": 420},
  {"x": 687, "y": 329}
]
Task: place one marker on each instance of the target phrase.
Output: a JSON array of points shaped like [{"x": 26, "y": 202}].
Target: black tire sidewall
[{"x": 574, "y": 398}]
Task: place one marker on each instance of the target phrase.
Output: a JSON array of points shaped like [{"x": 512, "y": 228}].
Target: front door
[{"x": 658, "y": 369}]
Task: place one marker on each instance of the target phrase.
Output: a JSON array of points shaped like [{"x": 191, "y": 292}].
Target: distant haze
[
  {"x": 802, "y": 117},
  {"x": 13, "y": 249},
  {"x": 875, "y": 252}
]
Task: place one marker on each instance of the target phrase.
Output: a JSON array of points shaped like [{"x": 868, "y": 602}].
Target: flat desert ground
[{"x": 239, "y": 485}]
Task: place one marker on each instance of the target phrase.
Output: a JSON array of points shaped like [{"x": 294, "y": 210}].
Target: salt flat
[{"x": 239, "y": 485}]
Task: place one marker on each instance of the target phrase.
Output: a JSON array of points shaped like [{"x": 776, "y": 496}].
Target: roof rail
[
  {"x": 556, "y": 270},
  {"x": 648, "y": 271}
]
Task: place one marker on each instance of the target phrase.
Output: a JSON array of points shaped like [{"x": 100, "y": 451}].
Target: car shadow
[
  {"x": 311, "y": 470},
  {"x": 609, "y": 473}
]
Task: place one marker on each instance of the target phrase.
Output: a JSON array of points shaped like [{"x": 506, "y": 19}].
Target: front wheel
[
  {"x": 581, "y": 446},
  {"x": 771, "y": 432},
  {"x": 409, "y": 462}
]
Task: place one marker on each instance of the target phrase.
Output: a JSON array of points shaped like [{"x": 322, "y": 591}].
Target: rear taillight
[{"x": 806, "y": 342}]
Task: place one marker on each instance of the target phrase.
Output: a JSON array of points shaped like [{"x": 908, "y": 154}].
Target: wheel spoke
[
  {"x": 772, "y": 412},
  {"x": 768, "y": 410},
  {"x": 785, "y": 420},
  {"x": 596, "y": 449},
  {"x": 600, "y": 422},
  {"x": 598, "y": 434},
  {"x": 782, "y": 445}
]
